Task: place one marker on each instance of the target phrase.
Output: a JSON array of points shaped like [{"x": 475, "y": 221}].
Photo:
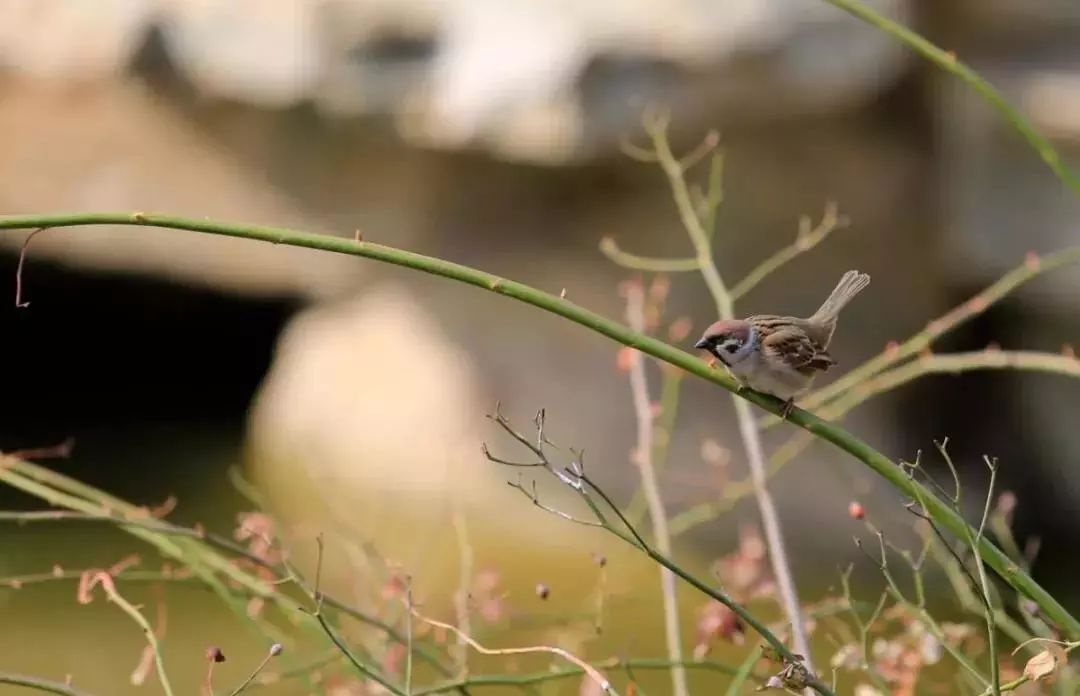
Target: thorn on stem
[{"x": 19, "y": 303}]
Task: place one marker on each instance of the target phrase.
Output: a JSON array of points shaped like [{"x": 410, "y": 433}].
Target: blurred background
[{"x": 488, "y": 132}]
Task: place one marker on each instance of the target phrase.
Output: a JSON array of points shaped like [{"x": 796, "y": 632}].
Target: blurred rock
[
  {"x": 69, "y": 41},
  {"x": 368, "y": 429},
  {"x": 369, "y": 394},
  {"x": 128, "y": 151},
  {"x": 511, "y": 78}
]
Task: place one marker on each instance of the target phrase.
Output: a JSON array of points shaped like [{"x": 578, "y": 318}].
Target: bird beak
[{"x": 702, "y": 344}]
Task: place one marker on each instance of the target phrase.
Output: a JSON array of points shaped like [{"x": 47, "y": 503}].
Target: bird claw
[{"x": 787, "y": 408}]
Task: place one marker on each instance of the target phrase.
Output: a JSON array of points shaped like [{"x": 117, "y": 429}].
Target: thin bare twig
[
  {"x": 610, "y": 248},
  {"x": 863, "y": 627},
  {"x": 362, "y": 667},
  {"x": 19, "y": 303},
  {"x": 808, "y": 237},
  {"x": 591, "y": 671},
  {"x": 700, "y": 238},
  {"x": 574, "y": 477},
  {"x": 273, "y": 652},
  {"x": 915, "y": 609},
  {"x": 465, "y": 577},
  {"x": 643, "y": 458},
  {"x": 105, "y": 580},
  {"x": 983, "y": 583}
]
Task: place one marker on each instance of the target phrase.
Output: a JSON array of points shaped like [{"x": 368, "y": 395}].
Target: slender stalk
[
  {"x": 38, "y": 684},
  {"x": 947, "y": 61},
  {"x": 243, "y": 686},
  {"x": 408, "y": 638},
  {"x": 523, "y": 680},
  {"x": 594, "y": 674},
  {"x": 106, "y": 582},
  {"x": 984, "y": 583},
  {"x": 574, "y": 477},
  {"x": 610, "y": 249},
  {"x": 917, "y": 611},
  {"x": 748, "y": 428},
  {"x": 643, "y": 457},
  {"x": 363, "y": 668},
  {"x": 829, "y": 432},
  {"x": 809, "y": 236},
  {"x": 670, "y": 392},
  {"x": 746, "y": 670}
]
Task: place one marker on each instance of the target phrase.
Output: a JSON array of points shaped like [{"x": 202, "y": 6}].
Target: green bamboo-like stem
[
  {"x": 63, "y": 491},
  {"x": 941, "y": 512},
  {"x": 948, "y": 62},
  {"x": 38, "y": 684}
]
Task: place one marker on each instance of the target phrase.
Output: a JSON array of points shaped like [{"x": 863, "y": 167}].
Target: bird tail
[{"x": 850, "y": 285}]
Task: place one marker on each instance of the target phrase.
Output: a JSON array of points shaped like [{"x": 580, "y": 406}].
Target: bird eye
[{"x": 731, "y": 345}]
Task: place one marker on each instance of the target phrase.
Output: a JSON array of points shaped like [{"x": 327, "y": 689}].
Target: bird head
[{"x": 730, "y": 341}]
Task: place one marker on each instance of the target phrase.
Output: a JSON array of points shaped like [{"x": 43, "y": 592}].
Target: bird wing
[{"x": 790, "y": 345}]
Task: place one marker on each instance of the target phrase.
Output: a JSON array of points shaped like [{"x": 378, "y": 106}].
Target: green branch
[
  {"x": 34, "y": 683},
  {"x": 947, "y": 61},
  {"x": 940, "y": 511}
]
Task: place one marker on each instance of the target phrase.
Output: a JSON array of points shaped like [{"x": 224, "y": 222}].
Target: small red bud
[
  {"x": 214, "y": 654},
  {"x": 856, "y": 511},
  {"x": 542, "y": 591}
]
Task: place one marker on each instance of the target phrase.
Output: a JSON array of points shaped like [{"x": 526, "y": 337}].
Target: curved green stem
[
  {"x": 948, "y": 62},
  {"x": 939, "y": 510}
]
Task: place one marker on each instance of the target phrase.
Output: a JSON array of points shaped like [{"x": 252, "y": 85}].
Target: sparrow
[{"x": 781, "y": 355}]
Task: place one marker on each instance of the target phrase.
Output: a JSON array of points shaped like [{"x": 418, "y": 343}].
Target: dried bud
[
  {"x": 624, "y": 359},
  {"x": 542, "y": 590},
  {"x": 1041, "y": 666},
  {"x": 773, "y": 683},
  {"x": 276, "y": 649},
  {"x": 659, "y": 288},
  {"x": 714, "y": 453},
  {"x": 214, "y": 654},
  {"x": 1006, "y": 506},
  {"x": 856, "y": 511},
  {"x": 680, "y": 329}
]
